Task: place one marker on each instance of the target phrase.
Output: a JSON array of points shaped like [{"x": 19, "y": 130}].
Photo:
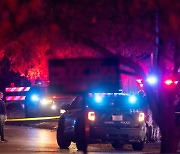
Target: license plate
[{"x": 117, "y": 117}]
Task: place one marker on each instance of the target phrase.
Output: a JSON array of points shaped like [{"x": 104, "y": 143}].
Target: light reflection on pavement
[{"x": 34, "y": 140}]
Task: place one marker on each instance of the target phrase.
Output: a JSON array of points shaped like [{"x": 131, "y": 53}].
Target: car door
[{"x": 72, "y": 115}]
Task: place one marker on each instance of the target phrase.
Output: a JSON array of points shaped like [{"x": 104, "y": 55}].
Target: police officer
[
  {"x": 148, "y": 119},
  {"x": 3, "y": 117}
]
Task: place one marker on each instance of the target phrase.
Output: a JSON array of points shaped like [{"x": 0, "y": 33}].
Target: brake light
[
  {"x": 141, "y": 117},
  {"x": 91, "y": 116}
]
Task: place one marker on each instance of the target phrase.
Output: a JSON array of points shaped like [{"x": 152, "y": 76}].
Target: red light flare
[
  {"x": 169, "y": 82},
  {"x": 139, "y": 81}
]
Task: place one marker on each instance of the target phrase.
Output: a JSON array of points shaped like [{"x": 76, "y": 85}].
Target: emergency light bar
[
  {"x": 132, "y": 99},
  {"x": 99, "y": 97},
  {"x": 169, "y": 82},
  {"x": 106, "y": 94},
  {"x": 152, "y": 80}
]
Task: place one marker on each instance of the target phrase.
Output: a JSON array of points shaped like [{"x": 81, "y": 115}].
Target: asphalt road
[
  {"x": 40, "y": 137},
  {"x": 23, "y": 139}
]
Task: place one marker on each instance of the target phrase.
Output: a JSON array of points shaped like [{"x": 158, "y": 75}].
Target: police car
[
  {"x": 114, "y": 118},
  {"x": 39, "y": 102}
]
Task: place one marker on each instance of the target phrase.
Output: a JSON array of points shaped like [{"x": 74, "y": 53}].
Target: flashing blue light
[
  {"x": 98, "y": 98},
  {"x": 35, "y": 98},
  {"x": 152, "y": 80},
  {"x": 132, "y": 99}
]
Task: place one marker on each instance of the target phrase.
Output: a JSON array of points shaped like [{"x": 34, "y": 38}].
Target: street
[
  {"x": 40, "y": 137},
  {"x": 23, "y": 139}
]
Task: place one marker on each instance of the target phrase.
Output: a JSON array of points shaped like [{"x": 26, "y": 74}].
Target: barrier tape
[{"x": 32, "y": 119}]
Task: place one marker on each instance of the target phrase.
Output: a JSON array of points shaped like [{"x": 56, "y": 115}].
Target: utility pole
[{"x": 156, "y": 51}]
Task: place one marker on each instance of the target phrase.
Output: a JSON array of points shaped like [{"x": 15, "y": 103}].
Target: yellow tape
[{"x": 33, "y": 119}]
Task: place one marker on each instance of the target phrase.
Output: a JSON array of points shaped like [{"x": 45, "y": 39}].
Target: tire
[
  {"x": 117, "y": 145},
  {"x": 62, "y": 141},
  {"x": 81, "y": 146},
  {"x": 138, "y": 146},
  {"x": 81, "y": 142}
]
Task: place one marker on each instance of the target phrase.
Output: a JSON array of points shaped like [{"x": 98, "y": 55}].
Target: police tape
[{"x": 32, "y": 119}]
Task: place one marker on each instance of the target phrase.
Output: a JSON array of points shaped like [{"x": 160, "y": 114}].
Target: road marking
[{"x": 33, "y": 119}]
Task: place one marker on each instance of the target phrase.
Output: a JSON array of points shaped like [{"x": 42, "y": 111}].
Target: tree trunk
[
  {"x": 169, "y": 129},
  {"x": 169, "y": 141}
]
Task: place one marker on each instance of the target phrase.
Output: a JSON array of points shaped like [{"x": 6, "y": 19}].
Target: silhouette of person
[{"x": 3, "y": 117}]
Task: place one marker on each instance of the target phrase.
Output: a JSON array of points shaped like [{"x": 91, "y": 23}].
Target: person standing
[{"x": 3, "y": 117}]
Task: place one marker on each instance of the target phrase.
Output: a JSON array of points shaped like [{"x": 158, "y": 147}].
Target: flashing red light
[
  {"x": 139, "y": 81},
  {"x": 176, "y": 82},
  {"x": 141, "y": 85},
  {"x": 169, "y": 82}
]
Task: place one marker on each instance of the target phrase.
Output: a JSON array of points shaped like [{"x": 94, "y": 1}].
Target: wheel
[
  {"x": 117, "y": 145},
  {"x": 81, "y": 146},
  {"x": 62, "y": 141},
  {"x": 81, "y": 142},
  {"x": 138, "y": 146}
]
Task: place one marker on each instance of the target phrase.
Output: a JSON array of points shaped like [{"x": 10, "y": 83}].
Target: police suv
[
  {"x": 39, "y": 102},
  {"x": 114, "y": 118}
]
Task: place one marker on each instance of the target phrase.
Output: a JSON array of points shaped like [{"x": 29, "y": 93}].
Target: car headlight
[
  {"x": 53, "y": 107},
  {"x": 46, "y": 101}
]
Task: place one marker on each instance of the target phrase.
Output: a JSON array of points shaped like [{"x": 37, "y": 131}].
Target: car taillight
[
  {"x": 141, "y": 117},
  {"x": 91, "y": 116}
]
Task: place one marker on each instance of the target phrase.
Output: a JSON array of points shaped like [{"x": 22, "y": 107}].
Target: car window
[{"x": 77, "y": 103}]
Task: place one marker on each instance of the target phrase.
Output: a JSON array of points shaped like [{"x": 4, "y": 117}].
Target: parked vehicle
[
  {"x": 114, "y": 118},
  {"x": 39, "y": 102}
]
